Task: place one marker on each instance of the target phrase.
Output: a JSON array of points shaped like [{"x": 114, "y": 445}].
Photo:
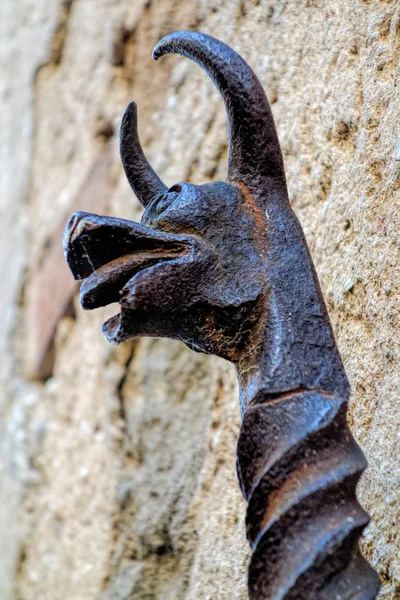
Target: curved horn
[
  {"x": 255, "y": 157},
  {"x": 143, "y": 180}
]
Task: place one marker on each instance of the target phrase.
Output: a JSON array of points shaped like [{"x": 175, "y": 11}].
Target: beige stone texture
[{"x": 118, "y": 471}]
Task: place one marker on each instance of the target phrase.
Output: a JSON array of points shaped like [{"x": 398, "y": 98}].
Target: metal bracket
[{"x": 225, "y": 268}]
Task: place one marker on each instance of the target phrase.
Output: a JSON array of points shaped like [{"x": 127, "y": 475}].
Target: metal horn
[
  {"x": 255, "y": 157},
  {"x": 142, "y": 178}
]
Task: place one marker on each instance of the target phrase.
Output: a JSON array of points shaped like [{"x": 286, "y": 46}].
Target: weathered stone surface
[
  {"x": 50, "y": 289},
  {"x": 118, "y": 474}
]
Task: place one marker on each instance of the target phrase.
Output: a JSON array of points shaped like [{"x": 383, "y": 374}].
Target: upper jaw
[{"x": 108, "y": 251}]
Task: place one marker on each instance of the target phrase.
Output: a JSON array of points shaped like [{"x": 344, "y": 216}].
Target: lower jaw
[{"x": 105, "y": 285}]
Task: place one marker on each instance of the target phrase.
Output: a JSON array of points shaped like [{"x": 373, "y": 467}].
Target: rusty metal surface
[{"x": 225, "y": 268}]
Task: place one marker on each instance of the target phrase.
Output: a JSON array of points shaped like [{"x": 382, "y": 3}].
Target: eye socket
[
  {"x": 162, "y": 201},
  {"x": 175, "y": 188}
]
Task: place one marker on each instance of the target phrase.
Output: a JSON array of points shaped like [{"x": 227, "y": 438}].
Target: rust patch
[{"x": 252, "y": 203}]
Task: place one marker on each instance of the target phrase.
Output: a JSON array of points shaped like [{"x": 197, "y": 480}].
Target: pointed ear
[{"x": 143, "y": 180}]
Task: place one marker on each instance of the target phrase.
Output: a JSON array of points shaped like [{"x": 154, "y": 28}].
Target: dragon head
[{"x": 195, "y": 267}]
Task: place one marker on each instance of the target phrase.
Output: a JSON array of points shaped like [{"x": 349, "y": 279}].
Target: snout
[{"x": 108, "y": 252}]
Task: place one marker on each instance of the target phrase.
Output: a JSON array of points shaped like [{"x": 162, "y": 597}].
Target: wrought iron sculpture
[{"x": 225, "y": 268}]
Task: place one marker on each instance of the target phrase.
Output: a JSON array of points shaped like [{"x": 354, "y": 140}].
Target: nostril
[
  {"x": 75, "y": 219},
  {"x": 175, "y": 188},
  {"x": 78, "y": 223},
  {"x": 72, "y": 222},
  {"x": 71, "y": 225}
]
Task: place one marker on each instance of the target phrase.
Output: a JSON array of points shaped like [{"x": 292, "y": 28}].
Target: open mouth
[{"x": 107, "y": 252}]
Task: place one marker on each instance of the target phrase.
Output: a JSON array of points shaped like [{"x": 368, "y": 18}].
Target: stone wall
[{"x": 117, "y": 464}]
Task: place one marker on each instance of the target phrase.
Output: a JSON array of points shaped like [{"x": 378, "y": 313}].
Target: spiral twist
[{"x": 298, "y": 467}]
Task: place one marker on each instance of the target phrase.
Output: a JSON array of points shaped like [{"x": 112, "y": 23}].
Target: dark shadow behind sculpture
[{"x": 225, "y": 268}]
